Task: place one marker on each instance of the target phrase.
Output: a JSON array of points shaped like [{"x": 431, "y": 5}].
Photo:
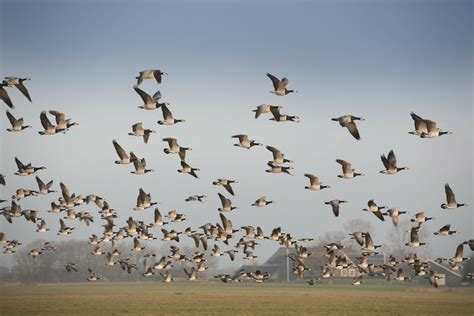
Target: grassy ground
[{"x": 209, "y": 298}]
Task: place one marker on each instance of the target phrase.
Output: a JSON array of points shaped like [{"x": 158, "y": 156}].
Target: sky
[{"x": 377, "y": 60}]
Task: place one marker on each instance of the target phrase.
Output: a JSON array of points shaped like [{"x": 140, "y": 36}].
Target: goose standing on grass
[
  {"x": 244, "y": 141},
  {"x": 150, "y": 74},
  {"x": 279, "y": 86},
  {"x": 49, "y": 128},
  {"x": 138, "y": 130},
  {"x": 426, "y": 128},
  {"x": 451, "y": 199},
  {"x": 394, "y": 214},
  {"x": 264, "y": 108},
  {"x": 445, "y": 231},
  {"x": 278, "y": 156},
  {"x": 174, "y": 148},
  {"x": 149, "y": 103},
  {"x": 140, "y": 166},
  {"x": 347, "y": 171},
  {"x": 17, "y": 124},
  {"x": 125, "y": 159},
  {"x": 335, "y": 206},
  {"x": 375, "y": 209},
  {"x": 315, "y": 185},
  {"x": 26, "y": 170},
  {"x": 18, "y": 82},
  {"x": 226, "y": 204},
  {"x": 390, "y": 164},
  {"x": 4, "y": 95},
  {"x": 168, "y": 118},
  {"x": 63, "y": 124},
  {"x": 348, "y": 122},
  {"x": 186, "y": 168},
  {"x": 278, "y": 117},
  {"x": 226, "y": 184},
  {"x": 262, "y": 202}
]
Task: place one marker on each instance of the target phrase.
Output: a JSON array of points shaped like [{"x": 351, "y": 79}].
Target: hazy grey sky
[{"x": 378, "y": 60}]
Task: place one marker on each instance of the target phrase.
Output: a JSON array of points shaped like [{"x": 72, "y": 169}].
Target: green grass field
[{"x": 212, "y": 298}]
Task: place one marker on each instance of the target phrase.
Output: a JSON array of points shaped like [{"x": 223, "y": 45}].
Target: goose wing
[
  {"x": 11, "y": 118},
  {"x": 450, "y": 197},
  {"x": 414, "y": 235},
  {"x": 5, "y": 97},
  {"x": 277, "y": 155},
  {"x": 346, "y": 166},
  {"x": 45, "y": 121},
  {"x": 277, "y": 84},
  {"x": 166, "y": 112},
  {"x": 229, "y": 189},
  {"x": 120, "y": 151},
  {"x": 60, "y": 117},
  {"x": 379, "y": 215},
  {"x": 352, "y": 127},
  {"x": 312, "y": 178},
  {"x": 392, "y": 159},
  {"x": 19, "y": 164},
  {"x": 41, "y": 184},
  {"x": 225, "y": 202},
  {"x": 145, "y": 96},
  {"x": 275, "y": 112}
]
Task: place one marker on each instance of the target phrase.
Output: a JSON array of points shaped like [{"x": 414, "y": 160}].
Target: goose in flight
[
  {"x": 139, "y": 165},
  {"x": 414, "y": 239},
  {"x": 401, "y": 275},
  {"x": 347, "y": 171},
  {"x": 71, "y": 266},
  {"x": 25, "y": 170},
  {"x": 174, "y": 148},
  {"x": 226, "y": 184},
  {"x": 188, "y": 169},
  {"x": 451, "y": 199},
  {"x": 64, "y": 230},
  {"x": 421, "y": 218},
  {"x": 445, "y": 231},
  {"x": 17, "y": 124},
  {"x": 191, "y": 275},
  {"x": 18, "y": 82},
  {"x": 426, "y": 128},
  {"x": 168, "y": 118},
  {"x": 279, "y": 86},
  {"x": 125, "y": 159},
  {"x": 63, "y": 124},
  {"x": 244, "y": 141},
  {"x": 262, "y": 202},
  {"x": 49, "y": 128},
  {"x": 149, "y": 103},
  {"x": 278, "y": 156},
  {"x": 226, "y": 204},
  {"x": 369, "y": 243},
  {"x": 348, "y": 121},
  {"x": 375, "y": 209},
  {"x": 2, "y": 180},
  {"x": 278, "y": 169},
  {"x": 92, "y": 276},
  {"x": 144, "y": 200},
  {"x": 138, "y": 130},
  {"x": 4, "y": 95},
  {"x": 263, "y": 108},
  {"x": 315, "y": 185},
  {"x": 390, "y": 164},
  {"x": 196, "y": 198},
  {"x": 278, "y": 117},
  {"x": 394, "y": 214},
  {"x": 458, "y": 256},
  {"x": 150, "y": 74},
  {"x": 335, "y": 206}
]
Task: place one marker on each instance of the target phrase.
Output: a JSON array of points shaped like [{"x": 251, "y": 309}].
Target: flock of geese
[{"x": 223, "y": 232}]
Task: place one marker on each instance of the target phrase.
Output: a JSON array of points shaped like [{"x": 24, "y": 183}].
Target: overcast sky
[{"x": 378, "y": 60}]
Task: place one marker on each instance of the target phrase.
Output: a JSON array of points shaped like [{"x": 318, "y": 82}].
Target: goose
[
  {"x": 278, "y": 169},
  {"x": 158, "y": 219},
  {"x": 226, "y": 204},
  {"x": 302, "y": 252},
  {"x": 64, "y": 230},
  {"x": 97, "y": 251},
  {"x": 315, "y": 185},
  {"x": 262, "y": 202},
  {"x": 216, "y": 252},
  {"x": 326, "y": 272},
  {"x": 170, "y": 235},
  {"x": 335, "y": 206},
  {"x": 136, "y": 245},
  {"x": 71, "y": 266},
  {"x": 2, "y": 180},
  {"x": 445, "y": 231},
  {"x": 92, "y": 276},
  {"x": 226, "y": 184},
  {"x": 191, "y": 275},
  {"x": 414, "y": 239},
  {"x": 279, "y": 86},
  {"x": 63, "y": 124},
  {"x": 49, "y": 128},
  {"x": 300, "y": 267},
  {"x": 167, "y": 277},
  {"x": 470, "y": 242},
  {"x": 168, "y": 118},
  {"x": 3, "y": 238},
  {"x": 193, "y": 198},
  {"x": 125, "y": 266},
  {"x": 138, "y": 130},
  {"x": 25, "y": 170},
  {"x": 369, "y": 243},
  {"x": 197, "y": 238},
  {"x": 186, "y": 168},
  {"x": 347, "y": 171},
  {"x": 34, "y": 253},
  {"x": 149, "y": 103},
  {"x": 18, "y": 82},
  {"x": 150, "y": 74},
  {"x": 278, "y": 156},
  {"x": 244, "y": 141},
  {"x": 394, "y": 213},
  {"x": 421, "y": 218},
  {"x": 250, "y": 256},
  {"x": 451, "y": 199},
  {"x": 31, "y": 215},
  {"x": 426, "y": 128},
  {"x": 357, "y": 280},
  {"x": 174, "y": 148},
  {"x": 231, "y": 254},
  {"x": 458, "y": 256},
  {"x": 175, "y": 216},
  {"x": 375, "y": 209},
  {"x": 278, "y": 117},
  {"x": 348, "y": 121},
  {"x": 390, "y": 164},
  {"x": 144, "y": 201},
  {"x": 85, "y": 217},
  {"x": 263, "y": 108},
  {"x": 4, "y": 95},
  {"x": 125, "y": 159},
  {"x": 306, "y": 240},
  {"x": 140, "y": 166},
  {"x": 17, "y": 124},
  {"x": 43, "y": 188},
  {"x": 147, "y": 269},
  {"x": 401, "y": 275},
  {"x": 23, "y": 193}
]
